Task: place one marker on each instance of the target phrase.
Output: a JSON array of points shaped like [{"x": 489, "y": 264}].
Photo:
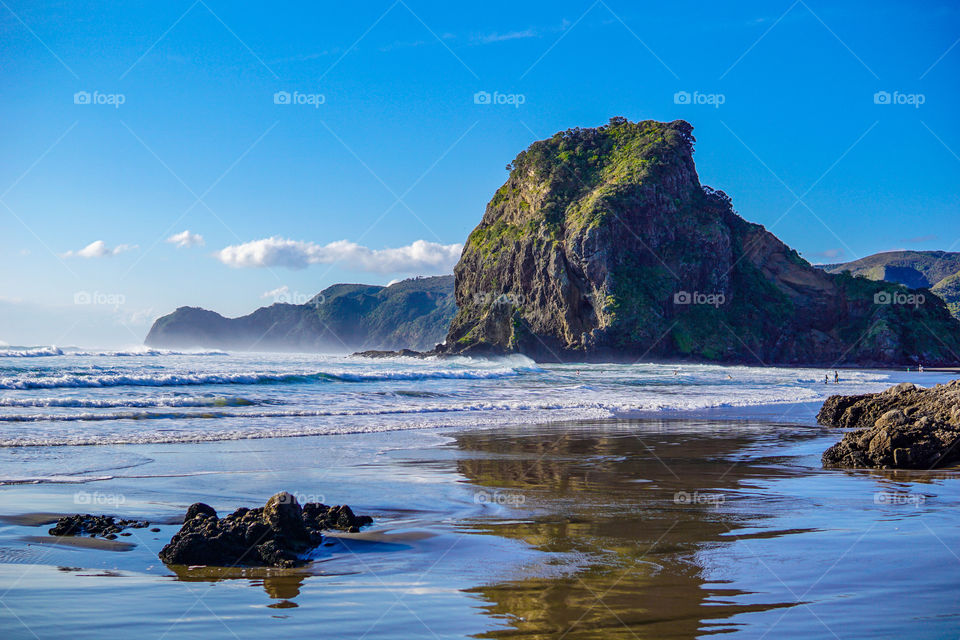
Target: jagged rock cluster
[
  {"x": 86, "y": 524},
  {"x": 276, "y": 534},
  {"x": 904, "y": 427}
]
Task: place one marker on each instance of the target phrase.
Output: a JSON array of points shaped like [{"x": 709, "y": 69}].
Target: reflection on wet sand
[
  {"x": 630, "y": 511},
  {"x": 279, "y": 584},
  {"x": 284, "y": 585}
]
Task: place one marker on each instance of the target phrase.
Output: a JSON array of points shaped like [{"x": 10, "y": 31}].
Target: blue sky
[{"x": 389, "y": 156}]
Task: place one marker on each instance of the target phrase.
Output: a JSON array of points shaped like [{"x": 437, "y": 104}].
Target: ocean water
[{"x": 50, "y": 396}]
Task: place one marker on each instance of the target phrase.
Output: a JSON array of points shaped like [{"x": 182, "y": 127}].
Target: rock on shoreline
[
  {"x": 86, "y": 524},
  {"x": 276, "y": 534},
  {"x": 904, "y": 427},
  {"x": 402, "y": 353}
]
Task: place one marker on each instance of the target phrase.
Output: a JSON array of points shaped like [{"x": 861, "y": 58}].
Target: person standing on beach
[
  {"x": 836, "y": 377},
  {"x": 826, "y": 378}
]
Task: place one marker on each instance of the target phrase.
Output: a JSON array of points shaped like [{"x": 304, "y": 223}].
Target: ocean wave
[
  {"x": 30, "y": 352},
  {"x": 75, "y": 380},
  {"x": 140, "y": 353},
  {"x": 51, "y": 479},
  {"x": 622, "y": 407},
  {"x": 35, "y": 352},
  {"x": 109, "y": 403}
]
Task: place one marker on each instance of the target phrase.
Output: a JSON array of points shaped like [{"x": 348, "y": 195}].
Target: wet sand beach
[{"x": 647, "y": 528}]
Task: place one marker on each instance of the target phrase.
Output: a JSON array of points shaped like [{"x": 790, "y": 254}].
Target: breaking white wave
[
  {"x": 34, "y": 352},
  {"x": 115, "y": 399},
  {"x": 30, "y": 352},
  {"x": 82, "y": 380},
  {"x": 107, "y": 403}
]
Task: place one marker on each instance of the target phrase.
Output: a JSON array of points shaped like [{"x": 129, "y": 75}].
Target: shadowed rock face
[
  {"x": 276, "y": 534},
  {"x": 904, "y": 427},
  {"x": 603, "y": 245}
]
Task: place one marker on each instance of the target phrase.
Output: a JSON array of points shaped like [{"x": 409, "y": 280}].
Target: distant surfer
[
  {"x": 826, "y": 378},
  {"x": 920, "y": 368}
]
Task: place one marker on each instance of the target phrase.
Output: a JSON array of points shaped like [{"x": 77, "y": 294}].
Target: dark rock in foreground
[
  {"x": 86, "y": 524},
  {"x": 904, "y": 427},
  {"x": 276, "y": 534}
]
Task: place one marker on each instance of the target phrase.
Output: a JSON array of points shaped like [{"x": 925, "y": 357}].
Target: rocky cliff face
[
  {"x": 412, "y": 314},
  {"x": 603, "y": 244}
]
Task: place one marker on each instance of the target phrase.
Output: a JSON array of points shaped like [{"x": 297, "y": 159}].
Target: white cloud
[
  {"x": 99, "y": 249},
  {"x": 185, "y": 239},
  {"x": 829, "y": 254},
  {"x": 276, "y": 293},
  {"x": 511, "y": 35},
  {"x": 139, "y": 317},
  {"x": 419, "y": 257}
]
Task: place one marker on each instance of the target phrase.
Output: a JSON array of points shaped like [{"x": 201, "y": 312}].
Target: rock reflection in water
[
  {"x": 629, "y": 510},
  {"x": 279, "y": 584}
]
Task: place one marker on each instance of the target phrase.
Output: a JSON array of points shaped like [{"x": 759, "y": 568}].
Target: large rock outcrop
[
  {"x": 411, "y": 314},
  {"x": 603, "y": 245},
  {"x": 904, "y": 427}
]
